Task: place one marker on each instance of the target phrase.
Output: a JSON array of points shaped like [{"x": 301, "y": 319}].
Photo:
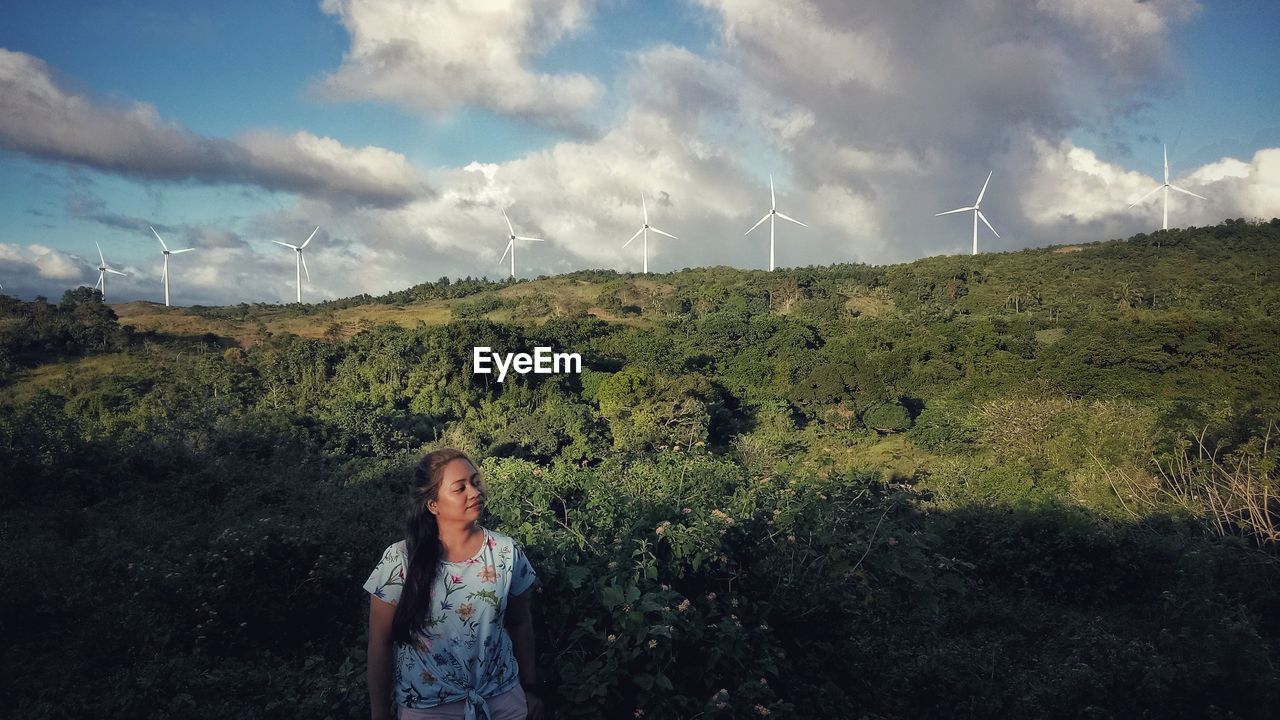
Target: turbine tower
[
  {"x": 512, "y": 237},
  {"x": 644, "y": 230},
  {"x": 977, "y": 213},
  {"x": 302, "y": 262},
  {"x": 102, "y": 272},
  {"x": 1166, "y": 187},
  {"x": 167, "y": 253},
  {"x": 773, "y": 211}
]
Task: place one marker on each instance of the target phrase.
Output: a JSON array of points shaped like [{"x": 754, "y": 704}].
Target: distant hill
[{"x": 1230, "y": 268}]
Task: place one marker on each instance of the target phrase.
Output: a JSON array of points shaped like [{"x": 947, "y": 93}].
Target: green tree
[
  {"x": 887, "y": 418},
  {"x": 646, "y": 409}
]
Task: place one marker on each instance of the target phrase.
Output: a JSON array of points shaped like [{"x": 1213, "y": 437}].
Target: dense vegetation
[
  {"x": 1033, "y": 484},
  {"x": 442, "y": 289}
]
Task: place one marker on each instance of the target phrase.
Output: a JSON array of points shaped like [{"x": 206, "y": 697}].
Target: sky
[{"x": 404, "y": 129}]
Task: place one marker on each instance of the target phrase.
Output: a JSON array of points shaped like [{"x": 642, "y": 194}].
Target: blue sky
[
  {"x": 692, "y": 102},
  {"x": 1228, "y": 90}
]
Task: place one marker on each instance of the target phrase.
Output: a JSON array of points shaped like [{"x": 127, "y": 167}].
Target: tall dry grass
[{"x": 1237, "y": 494}]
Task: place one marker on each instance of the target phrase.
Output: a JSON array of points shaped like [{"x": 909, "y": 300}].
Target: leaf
[
  {"x": 612, "y": 596},
  {"x": 575, "y": 575}
]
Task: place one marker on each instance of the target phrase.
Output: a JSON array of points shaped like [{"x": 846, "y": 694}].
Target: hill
[
  {"x": 1228, "y": 268},
  {"x": 1017, "y": 484}
]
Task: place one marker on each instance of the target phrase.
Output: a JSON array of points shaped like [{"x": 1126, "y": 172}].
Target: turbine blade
[
  {"x": 753, "y": 227},
  {"x": 1188, "y": 192},
  {"x": 98, "y": 285},
  {"x": 984, "y": 190},
  {"x": 521, "y": 237},
  {"x": 673, "y": 237},
  {"x": 504, "y": 217},
  {"x": 104, "y": 260},
  {"x": 984, "y": 220},
  {"x": 313, "y": 234},
  {"x": 949, "y": 212},
  {"x": 773, "y": 199},
  {"x": 303, "y": 258},
  {"x": 504, "y": 252},
  {"x": 291, "y": 247},
  {"x": 153, "y": 232},
  {"x": 117, "y": 272},
  {"x": 787, "y": 217},
  {"x": 633, "y": 237},
  {"x": 644, "y": 207},
  {"x": 1166, "y": 164},
  {"x": 1144, "y": 197},
  {"x": 175, "y": 252}
]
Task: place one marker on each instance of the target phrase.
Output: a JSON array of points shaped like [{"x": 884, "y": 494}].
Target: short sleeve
[
  {"x": 522, "y": 574},
  {"x": 387, "y": 579}
]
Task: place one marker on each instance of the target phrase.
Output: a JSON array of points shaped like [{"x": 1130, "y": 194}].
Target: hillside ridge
[{"x": 1229, "y": 267}]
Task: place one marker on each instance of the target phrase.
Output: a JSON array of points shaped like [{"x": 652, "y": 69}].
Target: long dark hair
[{"x": 422, "y": 544}]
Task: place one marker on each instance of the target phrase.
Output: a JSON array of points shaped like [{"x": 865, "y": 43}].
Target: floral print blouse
[{"x": 462, "y": 651}]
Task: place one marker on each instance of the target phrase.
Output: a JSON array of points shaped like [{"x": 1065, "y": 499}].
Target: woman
[{"x": 449, "y": 618}]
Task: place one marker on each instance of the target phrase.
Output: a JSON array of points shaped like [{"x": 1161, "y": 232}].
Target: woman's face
[{"x": 461, "y": 494}]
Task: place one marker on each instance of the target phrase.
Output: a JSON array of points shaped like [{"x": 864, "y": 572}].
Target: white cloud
[
  {"x": 800, "y": 39},
  {"x": 54, "y": 265},
  {"x": 31, "y": 269},
  {"x": 325, "y": 167},
  {"x": 1065, "y": 185},
  {"x": 45, "y": 119},
  {"x": 1250, "y": 190},
  {"x": 433, "y": 56},
  {"x": 1122, "y": 29},
  {"x": 1224, "y": 168},
  {"x": 585, "y": 198}
]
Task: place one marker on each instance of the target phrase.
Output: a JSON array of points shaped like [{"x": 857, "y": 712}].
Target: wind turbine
[
  {"x": 773, "y": 211},
  {"x": 644, "y": 230},
  {"x": 977, "y": 213},
  {"x": 167, "y": 253},
  {"x": 102, "y": 272},
  {"x": 1166, "y": 187},
  {"x": 512, "y": 237},
  {"x": 302, "y": 262}
]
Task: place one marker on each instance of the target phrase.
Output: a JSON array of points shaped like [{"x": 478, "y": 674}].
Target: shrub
[
  {"x": 477, "y": 308},
  {"x": 887, "y": 418},
  {"x": 944, "y": 427}
]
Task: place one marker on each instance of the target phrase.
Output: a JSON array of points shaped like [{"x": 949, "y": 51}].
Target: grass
[
  {"x": 24, "y": 384},
  {"x": 870, "y": 305},
  {"x": 352, "y": 320},
  {"x": 894, "y": 456},
  {"x": 180, "y": 322},
  {"x": 566, "y": 297}
]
